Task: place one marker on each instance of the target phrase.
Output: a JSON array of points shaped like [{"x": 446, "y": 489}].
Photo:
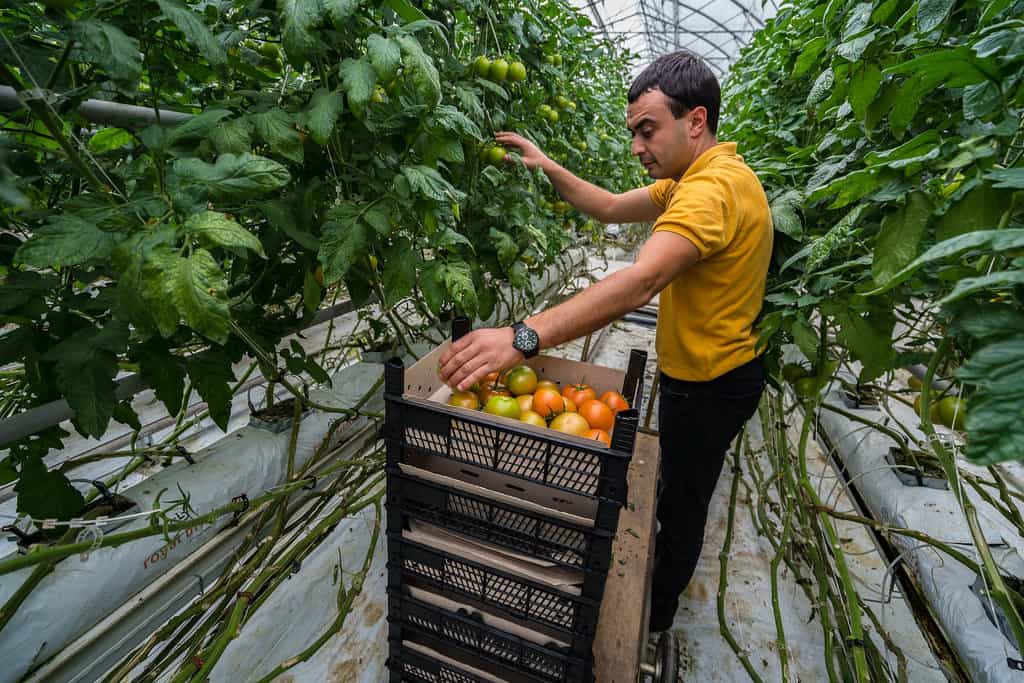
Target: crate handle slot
[
  {"x": 516, "y": 488},
  {"x": 470, "y": 473}
]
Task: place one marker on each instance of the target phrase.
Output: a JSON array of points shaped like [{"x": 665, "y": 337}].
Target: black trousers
[{"x": 697, "y": 421}]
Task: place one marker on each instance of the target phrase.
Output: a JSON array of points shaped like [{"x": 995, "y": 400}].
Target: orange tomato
[
  {"x": 530, "y": 417},
  {"x": 599, "y": 415},
  {"x": 570, "y": 407},
  {"x": 615, "y": 401},
  {"x": 601, "y": 435},
  {"x": 525, "y": 402},
  {"x": 547, "y": 383},
  {"x": 579, "y": 393},
  {"x": 570, "y": 423},
  {"x": 548, "y": 402},
  {"x": 491, "y": 378},
  {"x": 464, "y": 399},
  {"x": 492, "y": 390}
]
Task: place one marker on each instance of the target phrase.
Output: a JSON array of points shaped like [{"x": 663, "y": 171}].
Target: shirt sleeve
[
  {"x": 659, "y": 191},
  {"x": 699, "y": 212}
]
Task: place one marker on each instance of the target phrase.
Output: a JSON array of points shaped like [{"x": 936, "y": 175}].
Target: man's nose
[{"x": 637, "y": 147}]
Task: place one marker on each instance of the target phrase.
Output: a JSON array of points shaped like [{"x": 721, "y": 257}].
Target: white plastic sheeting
[
  {"x": 80, "y": 592},
  {"x": 946, "y": 584}
]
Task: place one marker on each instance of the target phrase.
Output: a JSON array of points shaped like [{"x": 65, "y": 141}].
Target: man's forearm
[
  {"x": 603, "y": 302},
  {"x": 587, "y": 197}
]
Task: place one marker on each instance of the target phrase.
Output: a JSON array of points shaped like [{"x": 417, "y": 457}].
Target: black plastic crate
[
  {"x": 548, "y": 538},
  {"x": 556, "y": 613},
  {"x": 406, "y": 665},
  {"x": 462, "y": 636},
  {"x": 578, "y": 468}
]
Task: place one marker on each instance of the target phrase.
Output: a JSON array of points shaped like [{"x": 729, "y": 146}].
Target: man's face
[{"x": 663, "y": 143}]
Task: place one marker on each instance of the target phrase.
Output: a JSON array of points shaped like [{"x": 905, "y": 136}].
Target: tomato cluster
[
  {"x": 519, "y": 394},
  {"x": 499, "y": 69}
]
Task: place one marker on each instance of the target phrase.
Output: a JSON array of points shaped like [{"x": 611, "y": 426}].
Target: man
[{"x": 707, "y": 257}]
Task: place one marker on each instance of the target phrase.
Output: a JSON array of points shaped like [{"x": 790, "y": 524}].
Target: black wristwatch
[{"x": 525, "y": 340}]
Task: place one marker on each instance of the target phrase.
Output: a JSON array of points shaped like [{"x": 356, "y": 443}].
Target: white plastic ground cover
[
  {"x": 82, "y": 590},
  {"x": 982, "y": 648}
]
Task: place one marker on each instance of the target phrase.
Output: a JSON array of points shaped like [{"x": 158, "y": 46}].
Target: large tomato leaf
[
  {"x": 995, "y": 416},
  {"x": 44, "y": 494}
]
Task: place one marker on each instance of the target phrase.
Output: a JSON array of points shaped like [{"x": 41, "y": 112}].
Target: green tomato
[
  {"x": 561, "y": 206},
  {"x": 806, "y": 387},
  {"x": 379, "y": 94},
  {"x": 521, "y": 380},
  {"x": 557, "y": 59},
  {"x": 914, "y": 383},
  {"x": 496, "y": 154},
  {"x": 552, "y": 115},
  {"x": 482, "y": 66},
  {"x": 498, "y": 71},
  {"x": 504, "y": 406},
  {"x": 951, "y": 407},
  {"x": 517, "y": 71}
]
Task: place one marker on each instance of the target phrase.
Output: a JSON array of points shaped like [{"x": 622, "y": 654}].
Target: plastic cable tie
[
  {"x": 78, "y": 523},
  {"x": 183, "y": 452},
  {"x": 856, "y": 642},
  {"x": 202, "y": 587},
  {"x": 248, "y": 595},
  {"x": 244, "y": 500},
  {"x": 1015, "y": 664},
  {"x": 49, "y": 524},
  {"x": 311, "y": 485},
  {"x": 104, "y": 491}
]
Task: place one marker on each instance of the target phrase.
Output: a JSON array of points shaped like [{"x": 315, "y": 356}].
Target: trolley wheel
[{"x": 667, "y": 658}]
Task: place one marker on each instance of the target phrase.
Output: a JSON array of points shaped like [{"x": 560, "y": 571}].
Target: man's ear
[{"x": 698, "y": 120}]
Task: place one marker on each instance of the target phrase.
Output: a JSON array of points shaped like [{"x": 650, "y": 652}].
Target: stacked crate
[{"x": 499, "y": 533}]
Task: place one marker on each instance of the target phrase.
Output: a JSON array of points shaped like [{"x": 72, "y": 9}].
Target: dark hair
[{"x": 687, "y": 82}]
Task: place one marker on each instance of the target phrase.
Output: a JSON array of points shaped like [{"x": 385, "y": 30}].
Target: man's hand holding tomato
[{"x": 478, "y": 354}]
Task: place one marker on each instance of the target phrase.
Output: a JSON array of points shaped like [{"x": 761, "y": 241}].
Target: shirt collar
[{"x": 721, "y": 149}]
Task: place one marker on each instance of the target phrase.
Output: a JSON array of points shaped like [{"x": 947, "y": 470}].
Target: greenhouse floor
[{"x": 704, "y": 654}]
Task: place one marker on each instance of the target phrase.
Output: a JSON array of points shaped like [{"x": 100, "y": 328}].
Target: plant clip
[
  {"x": 1015, "y": 664},
  {"x": 23, "y": 538},
  {"x": 856, "y": 642},
  {"x": 197, "y": 661},
  {"x": 247, "y": 595},
  {"x": 108, "y": 497},
  {"x": 89, "y": 533},
  {"x": 183, "y": 452},
  {"x": 311, "y": 485},
  {"x": 244, "y": 500}
]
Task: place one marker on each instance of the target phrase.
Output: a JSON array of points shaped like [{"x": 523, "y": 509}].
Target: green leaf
[
  {"x": 378, "y": 217},
  {"x": 982, "y": 99},
  {"x": 109, "y": 139},
  {"x": 218, "y": 229},
  {"x": 233, "y": 177},
  {"x": 432, "y": 288},
  {"x": 923, "y": 147},
  {"x": 46, "y": 495},
  {"x": 457, "y": 277},
  {"x": 126, "y": 415},
  {"x": 151, "y": 282},
  {"x": 299, "y": 19},
  {"x": 211, "y": 375},
  {"x": 853, "y": 49},
  {"x": 809, "y": 55},
  {"x": 194, "y": 129},
  {"x": 448, "y": 149},
  {"x": 405, "y": 10},
  {"x": 989, "y": 321},
  {"x": 821, "y": 88},
  {"x": 311, "y": 293},
  {"x": 993, "y": 240},
  {"x": 164, "y": 372},
  {"x": 506, "y": 247},
  {"x": 86, "y": 364},
  {"x": 400, "y": 261},
  {"x": 357, "y": 80},
  {"x": 857, "y": 19},
  {"x": 343, "y": 241},
  {"x": 106, "y": 45},
  {"x": 863, "y": 88},
  {"x": 66, "y": 240},
  {"x": 931, "y": 13},
  {"x": 837, "y": 236},
  {"x": 806, "y": 337},
  {"x": 981, "y": 208},
  {"x": 198, "y": 289},
  {"x": 1012, "y": 178},
  {"x": 322, "y": 115},
  {"x": 277, "y": 129},
  {"x": 340, "y": 11},
  {"x": 232, "y": 137},
  {"x": 451, "y": 119},
  {"x": 900, "y": 236},
  {"x": 869, "y": 339},
  {"x": 421, "y": 69},
  {"x": 196, "y": 32},
  {"x": 281, "y": 217},
  {"x": 385, "y": 56},
  {"x": 999, "y": 280},
  {"x": 995, "y": 420},
  {"x": 428, "y": 182}
]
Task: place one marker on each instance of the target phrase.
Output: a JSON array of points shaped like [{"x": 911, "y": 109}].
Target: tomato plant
[
  {"x": 889, "y": 139},
  {"x": 330, "y": 153}
]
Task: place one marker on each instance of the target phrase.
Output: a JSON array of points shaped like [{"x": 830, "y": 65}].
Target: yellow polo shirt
[{"x": 706, "y": 315}]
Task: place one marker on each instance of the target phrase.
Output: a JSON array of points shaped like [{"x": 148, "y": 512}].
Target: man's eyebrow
[{"x": 640, "y": 123}]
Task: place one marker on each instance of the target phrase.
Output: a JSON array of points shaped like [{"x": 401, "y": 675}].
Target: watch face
[{"x": 525, "y": 339}]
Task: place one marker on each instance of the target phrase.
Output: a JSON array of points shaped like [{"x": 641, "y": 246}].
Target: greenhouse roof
[{"x": 714, "y": 29}]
